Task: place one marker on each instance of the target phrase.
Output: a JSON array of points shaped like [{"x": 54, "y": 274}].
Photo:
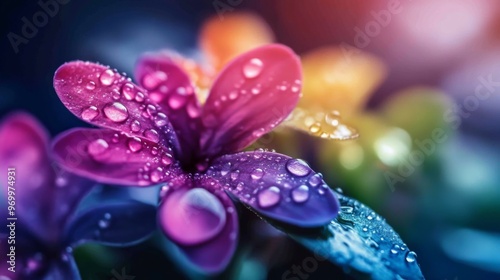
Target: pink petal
[
  {"x": 100, "y": 96},
  {"x": 171, "y": 88},
  {"x": 43, "y": 201},
  {"x": 252, "y": 95},
  {"x": 110, "y": 157},
  {"x": 278, "y": 187},
  {"x": 201, "y": 219}
]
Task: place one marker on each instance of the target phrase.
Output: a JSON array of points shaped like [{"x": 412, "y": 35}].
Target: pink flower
[{"x": 160, "y": 134}]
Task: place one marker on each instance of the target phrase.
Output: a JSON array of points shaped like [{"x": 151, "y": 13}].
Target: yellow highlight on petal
[
  {"x": 223, "y": 39},
  {"x": 338, "y": 78}
]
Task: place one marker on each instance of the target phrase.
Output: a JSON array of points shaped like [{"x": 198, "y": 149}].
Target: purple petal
[
  {"x": 43, "y": 200},
  {"x": 278, "y": 187},
  {"x": 100, "y": 96},
  {"x": 110, "y": 157},
  {"x": 171, "y": 88},
  {"x": 116, "y": 224},
  {"x": 252, "y": 95},
  {"x": 201, "y": 219}
]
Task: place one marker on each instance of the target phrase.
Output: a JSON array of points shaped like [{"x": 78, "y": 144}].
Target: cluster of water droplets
[
  {"x": 296, "y": 185},
  {"x": 363, "y": 227},
  {"x": 325, "y": 125}
]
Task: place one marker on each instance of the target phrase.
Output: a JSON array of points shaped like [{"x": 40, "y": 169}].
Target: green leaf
[{"x": 361, "y": 242}]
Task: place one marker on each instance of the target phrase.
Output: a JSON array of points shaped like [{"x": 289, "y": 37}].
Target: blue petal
[
  {"x": 117, "y": 224},
  {"x": 64, "y": 269}
]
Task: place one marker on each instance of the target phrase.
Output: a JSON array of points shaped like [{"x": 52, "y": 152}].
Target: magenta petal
[
  {"x": 43, "y": 200},
  {"x": 171, "y": 88},
  {"x": 100, "y": 96},
  {"x": 253, "y": 94},
  {"x": 110, "y": 157},
  {"x": 278, "y": 187},
  {"x": 201, "y": 219}
]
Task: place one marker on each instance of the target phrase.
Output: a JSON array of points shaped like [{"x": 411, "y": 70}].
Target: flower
[
  {"x": 160, "y": 134},
  {"x": 43, "y": 225}
]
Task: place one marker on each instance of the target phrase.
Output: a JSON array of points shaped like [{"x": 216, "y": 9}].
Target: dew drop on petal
[
  {"x": 269, "y": 197},
  {"x": 152, "y": 80},
  {"x": 107, "y": 77},
  {"x": 139, "y": 97},
  {"x": 97, "y": 147},
  {"x": 90, "y": 113},
  {"x": 300, "y": 194},
  {"x": 128, "y": 91},
  {"x": 90, "y": 85},
  {"x": 252, "y": 68},
  {"x": 161, "y": 119},
  {"x": 193, "y": 110},
  {"x": 166, "y": 159},
  {"x": 315, "y": 128},
  {"x": 297, "y": 167},
  {"x": 135, "y": 126},
  {"x": 134, "y": 144},
  {"x": 315, "y": 180},
  {"x": 152, "y": 135},
  {"x": 116, "y": 112},
  {"x": 411, "y": 257},
  {"x": 194, "y": 218},
  {"x": 257, "y": 174}
]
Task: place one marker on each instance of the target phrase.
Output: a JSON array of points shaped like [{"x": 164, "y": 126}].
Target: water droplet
[
  {"x": 116, "y": 112},
  {"x": 90, "y": 85},
  {"x": 97, "y": 147},
  {"x": 252, "y": 68},
  {"x": 134, "y": 144},
  {"x": 369, "y": 217},
  {"x": 139, "y": 97},
  {"x": 194, "y": 217},
  {"x": 177, "y": 101},
  {"x": 255, "y": 90},
  {"x": 315, "y": 180},
  {"x": 347, "y": 209},
  {"x": 332, "y": 118},
  {"x": 107, "y": 77},
  {"x": 315, "y": 128},
  {"x": 257, "y": 174},
  {"x": 135, "y": 126},
  {"x": 300, "y": 194},
  {"x": 156, "y": 175},
  {"x": 103, "y": 224},
  {"x": 160, "y": 119},
  {"x": 297, "y": 167},
  {"x": 235, "y": 175},
  {"x": 128, "y": 91},
  {"x": 61, "y": 182},
  {"x": 166, "y": 159},
  {"x": 90, "y": 113},
  {"x": 152, "y": 80},
  {"x": 259, "y": 132},
  {"x": 411, "y": 257},
  {"x": 395, "y": 249},
  {"x": 269, "y": 197},
  {"x": 152, "y": 135}
]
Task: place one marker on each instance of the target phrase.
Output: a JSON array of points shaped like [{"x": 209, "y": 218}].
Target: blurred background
[{"x": 419, "y": 80}]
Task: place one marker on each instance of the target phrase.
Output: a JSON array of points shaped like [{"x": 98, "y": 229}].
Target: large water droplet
[
  {"x": 195, "y": 217},
  {"x": 411, "y": 257},
  {"x": 97, "y": 147},
  {"x": 252, "y": 68},
  {"x": 167, "y": 159},
  {"x": 257, "y": 174},
  {"x": 90, "y": 113},
  {"x": 134, "y": 144},
  {"x": 128, "y": 91},
  {"x": 297, "y": 167},
  {"x": 156, "y": 175},
  {"x": 269, "y": 197},
  {"x": 300, "y": 194},
  {"x": 107, "y": 77},
  {"x": 152, "y": 135},
  {"x": 116, "y": 112}
]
